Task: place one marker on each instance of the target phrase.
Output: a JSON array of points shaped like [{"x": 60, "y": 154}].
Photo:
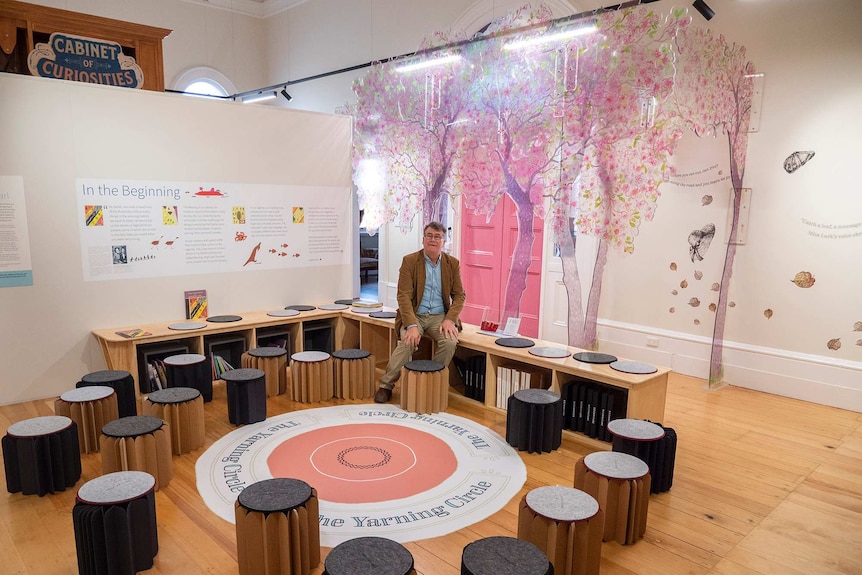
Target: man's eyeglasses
[{"x": 437, "y": 237}]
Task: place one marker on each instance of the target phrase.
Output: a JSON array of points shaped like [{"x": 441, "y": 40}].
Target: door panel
[{"x": 486, "y": 259}]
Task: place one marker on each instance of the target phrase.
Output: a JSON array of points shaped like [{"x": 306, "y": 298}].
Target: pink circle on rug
[{"x": 364, "y": 463}]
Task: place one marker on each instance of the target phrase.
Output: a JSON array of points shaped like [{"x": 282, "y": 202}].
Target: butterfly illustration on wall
[{"x": 699, "y": 241}]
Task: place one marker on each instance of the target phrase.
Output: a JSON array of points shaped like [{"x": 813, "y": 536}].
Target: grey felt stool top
[
  {"x": 87, "y": 393},
  {"x": 333, "y": 306},
  {"x": 243, "y": 375},
  {"x": 274, "y": 495},
  {"x": 224, "y": 318},
  {"x": 39, "y": 426},
  {"x": 424, "y": 365},
  {"x": 368, "y": 556},
  {"x": 383, "y": 314},
  {"x": 310, "y": 356},
  {"x": 300, "y": 307},
  {"x": 114, "y": 488},
  {"x": 282, "y": 312},
  {"x": 635, "y": 429},
  {"x": 187, "y": 325},
  {"x": 537, "y": 396},
  {"x": 132, "y": 426},
  {"x": 173, "y": 395},
  {"x": 515, "y": 342},
  {"x": 184, "y": 359},
  {"x": 616, "y": 465},
  {"x": 504, "y": 556},
  {"x": 594, "y": 357},
  {"x": 562, "y": 503},
  {"x": 267, "y": 352},
  {"x": 106, "y": 376},
  {"x": 550, "y": 352},
  {"x": 636, "y": 367},
  {"x": 351, "y": 354}
]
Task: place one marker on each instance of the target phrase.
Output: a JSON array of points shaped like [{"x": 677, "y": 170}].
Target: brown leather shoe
[{"x": 383, "y": 395}]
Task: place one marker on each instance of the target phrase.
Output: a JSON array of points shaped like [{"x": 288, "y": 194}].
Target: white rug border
[{"x": 489, "y": 474}]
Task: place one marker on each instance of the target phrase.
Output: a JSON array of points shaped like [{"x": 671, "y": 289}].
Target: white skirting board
[{"x": 813, "y": 378}]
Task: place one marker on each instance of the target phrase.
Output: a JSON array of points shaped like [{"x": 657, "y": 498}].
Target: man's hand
[
  {"x": 411, "y": 337},
  {"x": 449, "y": 329}
]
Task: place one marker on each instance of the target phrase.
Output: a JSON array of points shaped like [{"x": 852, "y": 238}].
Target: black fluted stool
[
  {"x": 246, "y": 395},
  {"x": 277, "y": 529},
  {"x": 534, "y": 421},
  {"x": 41, "y": 455},
  {"x": 504, "y": 556},
  {"x": 190, "y": 370},
  {"x": 122, "y": 382},
  {"x": 115, "y": 524},
  {"x": 273, "y": 362},
  {"x": 369, "y": 556},
  {"x": 650, "y": 442}
]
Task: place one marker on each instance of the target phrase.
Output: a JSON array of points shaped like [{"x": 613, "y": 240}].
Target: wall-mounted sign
[{"x": 80, "y": 59}]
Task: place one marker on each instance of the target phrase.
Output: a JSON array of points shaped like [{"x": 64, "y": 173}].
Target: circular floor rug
[{"x": 378, "y": 470}]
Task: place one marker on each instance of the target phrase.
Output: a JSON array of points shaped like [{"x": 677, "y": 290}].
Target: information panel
[
  {"x": 139, "y": 229},
  {"x": 15, "y": 268}
]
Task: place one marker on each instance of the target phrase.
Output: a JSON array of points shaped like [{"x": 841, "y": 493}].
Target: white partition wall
[{"x": 58, "y": 133}]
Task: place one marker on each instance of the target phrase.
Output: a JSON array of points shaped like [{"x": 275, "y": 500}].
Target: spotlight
[
  {"x": 287, "y": 96},
  {"x": 704, "y": 10}
]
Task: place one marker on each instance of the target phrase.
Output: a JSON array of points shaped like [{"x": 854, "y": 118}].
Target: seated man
[{"x": 430, "y": 299}]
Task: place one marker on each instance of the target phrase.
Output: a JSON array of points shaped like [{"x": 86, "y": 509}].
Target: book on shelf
[
  {"x": 220, "y": 365},
  {"x": 196, "y": 304},
  {"x": 133, "y": 333}
]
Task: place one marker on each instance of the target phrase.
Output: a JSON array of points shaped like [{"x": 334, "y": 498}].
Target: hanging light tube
[
  {"x": 551, "y": 37},
  {"x": 419, "y": 65},
  {"x": 259, "y": 97}
]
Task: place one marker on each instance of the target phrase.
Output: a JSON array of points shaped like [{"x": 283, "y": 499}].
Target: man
[{"x": 430, "y": 299}]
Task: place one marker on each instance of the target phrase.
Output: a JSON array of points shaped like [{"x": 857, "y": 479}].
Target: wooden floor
[{"x": 763, "y": 486}]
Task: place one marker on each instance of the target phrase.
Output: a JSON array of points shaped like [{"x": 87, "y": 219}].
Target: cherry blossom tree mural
[
  {"x": 714, "y": 88},
  {"x": 616, "y": 137},
  {"x": 582, "y": 129},
  {"x": 511, "y": 147},
  {"x": 406, "y": 125}
]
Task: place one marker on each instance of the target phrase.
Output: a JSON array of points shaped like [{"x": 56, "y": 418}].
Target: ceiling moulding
[{"x": 254, "y": 8}]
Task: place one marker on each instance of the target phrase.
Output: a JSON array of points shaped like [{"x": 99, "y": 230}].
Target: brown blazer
[{"x": 411, "y": 286}]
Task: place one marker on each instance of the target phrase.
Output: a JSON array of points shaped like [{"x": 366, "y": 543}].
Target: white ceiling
[{"x": 257, "y": 8}]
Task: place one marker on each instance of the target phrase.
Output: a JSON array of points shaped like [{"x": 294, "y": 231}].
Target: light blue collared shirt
[{"x": 432, "y": 297}]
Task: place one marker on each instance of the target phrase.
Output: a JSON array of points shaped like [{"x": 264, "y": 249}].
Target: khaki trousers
[{"x": 429, "y": 324}]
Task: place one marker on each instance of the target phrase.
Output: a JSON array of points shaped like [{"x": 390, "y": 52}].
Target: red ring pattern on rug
[{"x": 365, "y": 463}]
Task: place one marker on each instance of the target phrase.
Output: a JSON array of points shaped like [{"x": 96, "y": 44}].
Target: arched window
[{"x": 204, "y": 80}]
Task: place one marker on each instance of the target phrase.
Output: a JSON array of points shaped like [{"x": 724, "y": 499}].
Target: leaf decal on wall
[
  {"x": 673, "y": 266},
  {"x": 706, "y": 200},
  {"x": 857, "y": 326},
  {"x": 834, "y": 344},
  {"x": 694, "y": 302},
  {"x": 767, "y": 313},
  {"x": 803, "y": 279},
  {"x": 715, "y": 287}
]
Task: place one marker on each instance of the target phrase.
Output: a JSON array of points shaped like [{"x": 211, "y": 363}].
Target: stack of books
[
  {"x": 220, "y": 366},
  {"x": 515, "y": 378},
  {"x": 474, "y": 377},
  {"x": 156, "y": 375},
  {"x": 588, "y": 406}
]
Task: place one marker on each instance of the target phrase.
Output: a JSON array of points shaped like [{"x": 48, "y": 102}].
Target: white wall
[{"x": 55, "y": 132}]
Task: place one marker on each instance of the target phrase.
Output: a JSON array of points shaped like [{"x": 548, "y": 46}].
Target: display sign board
[{"x": 80, "y": 59}]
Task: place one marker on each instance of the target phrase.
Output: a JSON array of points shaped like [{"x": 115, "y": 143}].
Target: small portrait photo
[
  {"x": 119, "y": 255},
  {"x": 298, "y": 215},
  {"x": 170, "y": 216},
  {"x": 238, "y": 214}
]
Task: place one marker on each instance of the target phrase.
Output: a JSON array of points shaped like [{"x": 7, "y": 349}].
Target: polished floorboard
[{"x": 764, "y": 485}]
